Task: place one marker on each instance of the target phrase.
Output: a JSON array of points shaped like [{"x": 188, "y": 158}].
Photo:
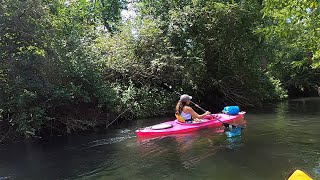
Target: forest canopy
[{"x": 69, "y": 66}]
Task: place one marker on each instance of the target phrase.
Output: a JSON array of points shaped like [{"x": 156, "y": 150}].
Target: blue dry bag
[{"x": 231, "y": 110}]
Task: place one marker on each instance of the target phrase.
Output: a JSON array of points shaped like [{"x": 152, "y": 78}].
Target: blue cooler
[{"x": 231, "y": 110}]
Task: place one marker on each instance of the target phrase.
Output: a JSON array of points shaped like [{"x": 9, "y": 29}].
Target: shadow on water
[{"x": 61, "y": 157}]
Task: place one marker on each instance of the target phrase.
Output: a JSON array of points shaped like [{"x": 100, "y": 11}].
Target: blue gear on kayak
[{"x": 231, "y": 110}]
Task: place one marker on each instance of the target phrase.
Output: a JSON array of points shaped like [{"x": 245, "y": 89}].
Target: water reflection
[
  {"x": 102, "y": 142},
  {"x": 234, "y": 143},
  {"x": 189, "y": 149},
  {"x": 316, "y": 169}
]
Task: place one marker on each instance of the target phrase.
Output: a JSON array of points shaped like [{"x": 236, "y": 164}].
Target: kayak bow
[{"x": 299, "y": 175}]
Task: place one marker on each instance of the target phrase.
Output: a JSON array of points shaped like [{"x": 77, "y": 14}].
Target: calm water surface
[{"x": 276, "y": 140}]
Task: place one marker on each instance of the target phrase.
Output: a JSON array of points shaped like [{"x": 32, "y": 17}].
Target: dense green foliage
[
  {"x": 72, "y": 65},
  {"x": 220, "y": 53},
  {"x": 292, "y": 29},
  {"x": 51, "y": 75}
]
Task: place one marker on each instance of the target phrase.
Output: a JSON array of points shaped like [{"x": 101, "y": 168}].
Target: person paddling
[{"x": 185, "y": 113}]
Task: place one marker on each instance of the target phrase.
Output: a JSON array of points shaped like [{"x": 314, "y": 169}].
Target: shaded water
[{"x": 277, "y": 139}]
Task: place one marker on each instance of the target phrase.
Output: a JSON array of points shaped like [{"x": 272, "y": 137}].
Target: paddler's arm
[{"x": 195, "y": 114}]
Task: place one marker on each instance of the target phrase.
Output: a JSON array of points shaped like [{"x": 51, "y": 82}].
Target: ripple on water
[
  {"x": 124, "y": 131},
  {"x": 316, "y": 169},
  {"x": 5, "y": 178},
  {"x": 102, "y": 142}
]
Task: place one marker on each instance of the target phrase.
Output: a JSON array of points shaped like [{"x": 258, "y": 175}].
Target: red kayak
[{"x": 176, "y": 127}]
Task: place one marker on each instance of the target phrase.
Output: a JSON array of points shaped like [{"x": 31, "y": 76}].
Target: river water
[{"x": 277, "y": 139}]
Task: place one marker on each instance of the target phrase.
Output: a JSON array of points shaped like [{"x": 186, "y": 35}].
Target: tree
[
  {"x": 218, "y": 48},
  {"x": 51, "y": 73},
  {"x": 292, "y": 28}
]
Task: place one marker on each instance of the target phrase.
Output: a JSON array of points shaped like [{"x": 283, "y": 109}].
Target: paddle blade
[
  {"x": 226, "y": 125},
  {"x": 229, "y": 126}
]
